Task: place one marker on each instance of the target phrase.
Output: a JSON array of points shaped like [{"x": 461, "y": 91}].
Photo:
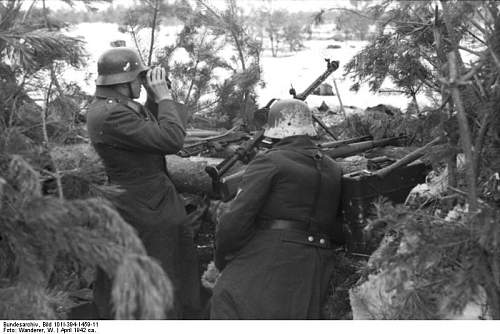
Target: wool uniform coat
[
  {"x": 132, "y": 142},
  {"x": 273, "y": 273}
]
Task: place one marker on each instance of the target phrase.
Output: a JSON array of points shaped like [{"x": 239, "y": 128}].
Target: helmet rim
[{"x": 119, "y": 65}]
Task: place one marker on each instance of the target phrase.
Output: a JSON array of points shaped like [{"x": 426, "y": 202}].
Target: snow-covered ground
[{"x": 297, "y": 69}]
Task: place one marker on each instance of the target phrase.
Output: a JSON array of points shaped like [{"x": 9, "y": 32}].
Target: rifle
[
  {"x": 213, "y": 143},
  {"x": 331, "y": 66},
  {"x": 338, "y": 143}
]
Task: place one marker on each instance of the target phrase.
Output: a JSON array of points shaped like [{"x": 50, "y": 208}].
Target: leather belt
[
  {"x": 282, "y": 224},
  {"x": 297, "y": 232}
]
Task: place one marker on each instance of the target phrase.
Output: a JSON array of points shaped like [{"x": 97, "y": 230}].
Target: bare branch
[
  {"x": 479, "y": 54},
  {"x": 153, "y": 30},
  {"x": 475, "y": 36},
  {"x": 464, "y": 132},
  {"x": 495, "y": 59},
  {"x": 478, "y": 27}
]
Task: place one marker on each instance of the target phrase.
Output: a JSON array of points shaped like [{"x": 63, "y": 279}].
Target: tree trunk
[
  {"x": 81, "y": 164},
  {"x": 188, "y": 174}
]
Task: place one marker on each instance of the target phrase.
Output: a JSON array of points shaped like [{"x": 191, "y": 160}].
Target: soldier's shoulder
[
  {"x": 105, "y": 104},
  {"x": 274, "y": 153},
  {"x": 269, "y": 156},
  {"x": 111, "y": 105}
]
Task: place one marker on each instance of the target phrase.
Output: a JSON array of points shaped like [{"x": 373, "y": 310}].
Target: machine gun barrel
[{"x": 331, "y": 66}]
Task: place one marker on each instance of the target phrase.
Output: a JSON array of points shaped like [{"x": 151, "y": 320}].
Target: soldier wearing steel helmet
[
  {"x": 132, "y": 141},
  {"x": 274, "y": 244}
]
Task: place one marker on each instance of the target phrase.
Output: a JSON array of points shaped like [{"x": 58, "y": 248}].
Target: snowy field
[{"x": 298, "y": 69}]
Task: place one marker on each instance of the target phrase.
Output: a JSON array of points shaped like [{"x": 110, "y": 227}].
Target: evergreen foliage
[
  {"x": 435, "y": 259},
  {"x": 213, "y": 86},
  {"x": 436, "y": 263},
  {"x": 37, "y": 229},
  {"x": 49, "y": 246}
]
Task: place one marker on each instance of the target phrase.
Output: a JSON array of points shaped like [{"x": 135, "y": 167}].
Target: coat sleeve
[
  {"x": 125, "y": 128},
  {"x": 237, "y": 225}
]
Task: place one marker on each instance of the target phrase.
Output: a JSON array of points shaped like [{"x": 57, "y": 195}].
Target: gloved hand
[{"x": 156, "y": 84}]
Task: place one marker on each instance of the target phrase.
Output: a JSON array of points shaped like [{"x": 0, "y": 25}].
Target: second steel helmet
[
  {"x": 289, "y": 117},
  {"x": 119, "y": 65}
]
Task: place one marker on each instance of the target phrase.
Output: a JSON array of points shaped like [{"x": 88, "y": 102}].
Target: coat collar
[
  {"x": 106, "y": 92},
  {"x": 301, "y": 141},
  {"x": 103, "y": 92}
]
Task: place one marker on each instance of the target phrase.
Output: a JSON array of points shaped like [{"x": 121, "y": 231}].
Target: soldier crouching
[{"x": 274, "y": 244}]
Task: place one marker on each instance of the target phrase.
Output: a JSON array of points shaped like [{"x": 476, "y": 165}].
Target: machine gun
[
  {"x": 242, "y": 152},
  {"x": 260, "y": 117},
  {"x": 331, "y": 66}
]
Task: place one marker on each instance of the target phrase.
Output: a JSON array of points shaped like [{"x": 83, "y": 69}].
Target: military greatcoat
[
  {"x": 278, "y": 272},
  {"x": 132, "y": 142}
]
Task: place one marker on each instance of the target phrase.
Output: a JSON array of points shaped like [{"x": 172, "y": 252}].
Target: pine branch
[
  {"x": 139, "y": 296},
  {"x": 36, "y": 49}
]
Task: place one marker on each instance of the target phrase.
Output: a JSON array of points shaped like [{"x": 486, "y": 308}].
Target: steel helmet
[
  {"x": 119, "y": 65},
  {"x": 289, "y": 117}
]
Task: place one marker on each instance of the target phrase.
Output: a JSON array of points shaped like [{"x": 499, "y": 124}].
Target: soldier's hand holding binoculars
[{"x": 156, "y": 84}]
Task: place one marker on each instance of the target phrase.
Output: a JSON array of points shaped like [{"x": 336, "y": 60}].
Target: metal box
[{"x": 361, "y": 188}]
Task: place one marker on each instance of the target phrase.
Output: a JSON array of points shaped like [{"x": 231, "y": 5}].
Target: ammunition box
[{"x": 361, "y": 189}]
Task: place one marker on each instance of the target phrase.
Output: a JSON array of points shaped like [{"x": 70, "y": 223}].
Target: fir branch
[
  {"x": 32, "y": 302},
  {"x": 24, "y": 178},
  {"x": 139, "y": 296},
  {"x": 33, "y": 50}
]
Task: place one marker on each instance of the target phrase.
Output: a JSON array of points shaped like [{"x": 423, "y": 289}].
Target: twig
[
  {"x": 470, "y": 51},
  {"x": 44, "y": 114},
  {"x": 479, "y": 86},
  {"x": 134, "y": 36},
  {"x": 28, "y": 11},
  {"x": 478, "y": 27},
  {"x": 444, "y": 103},
  {"x": 407, "y": 158},
  {"x": 463, "y": 193},
  {"x": 473, "y": 70},
  {"x": 2, "y": 184},
  {"x": 474, "y": 35},
  {"x": 195, "y": 67},
  {"x": 495, "y": 59},
  {"x": 478, "y": 145},
  {"x": 340, "y": 100},
  {"x": 153, "y": 29},
  {"x": 485, "y": 20},
  {"x": 46, "y": 143}
]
